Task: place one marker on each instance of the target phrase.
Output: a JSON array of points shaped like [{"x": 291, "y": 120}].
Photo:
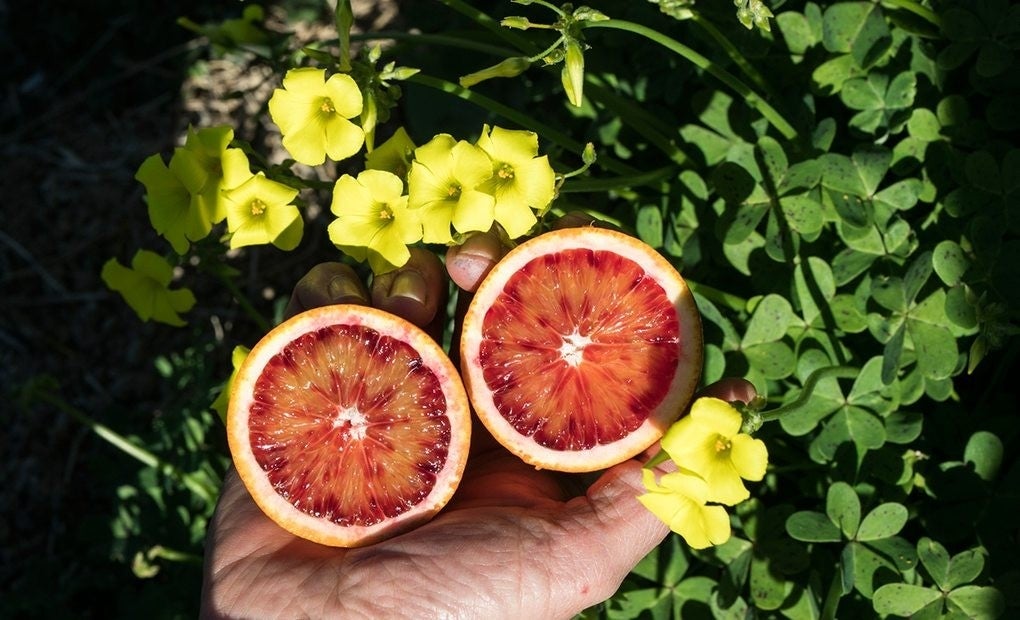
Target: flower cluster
[
  {"x": 434, "y": 193},
  {"x": 713, "y": 458},
  {"x": 453, "y": 187},
  {"x": 206, "y": 183}
]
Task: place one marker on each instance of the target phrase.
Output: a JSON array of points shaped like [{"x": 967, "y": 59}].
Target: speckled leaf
[
  {"x": 858, "y": 28},
  {"x": 935, "y": 348},
  {"x": 771, "y": 319},
  {"x": 984, "y": 453},
  {"x": 774, "y": 360},
  {"x": 950, "y": 262},
  {"x": 843, "y": 508},
  {"x": 978, "y": 602},
  {"x": 883, "y": 521},
  {"x": 810, "y": 526},
  {"x": 902, "y": 599}
]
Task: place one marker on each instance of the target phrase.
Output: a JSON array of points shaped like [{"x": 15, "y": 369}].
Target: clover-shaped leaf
[{"x": 857, "y": 28}]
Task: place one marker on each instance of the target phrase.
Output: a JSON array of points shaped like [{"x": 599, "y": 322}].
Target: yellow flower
[
  {"x": 260, "y": 211},
  {"x": 521, "y": 181},
  {"x": 444, "y": 182},
  {"x": 206, "y": 148},
  {"x": 709, "y": 443},
  {"x": 145, "y": 287},
  {"x": 680, "y": 502},
  {"x": 172, "y": 194},
  {"x": 394, "y": 155},
  {"x": 312, "y": 113},
  {"x": 373, "y": 219}
]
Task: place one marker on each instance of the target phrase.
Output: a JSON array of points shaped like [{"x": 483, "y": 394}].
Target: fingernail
[
  {"x": 410, "y": 285},
  {"x": 342, "y": 289}
]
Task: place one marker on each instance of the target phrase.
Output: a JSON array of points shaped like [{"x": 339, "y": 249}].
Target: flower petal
[
  {"x": 749, "y": 456},
  {"x": 342, "y": 138},
  {"x": 718, "y": 415},
  {"x": 474, "y": 211},
  {"x": 343, "y": 91}
]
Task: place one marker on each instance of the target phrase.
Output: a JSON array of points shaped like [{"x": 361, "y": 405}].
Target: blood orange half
[
  {"x": 580, "y": 348},
  {"x": 348, "y": 425}
]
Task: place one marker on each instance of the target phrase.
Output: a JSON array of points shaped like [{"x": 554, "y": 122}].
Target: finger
[
  {"x": 416, "y": 291},
  {"x": 609, "y": 534},
  {"x": 730, "y": 389},
  {"x": 469, "y": 262},
  {"x": 325, "y": 284}
]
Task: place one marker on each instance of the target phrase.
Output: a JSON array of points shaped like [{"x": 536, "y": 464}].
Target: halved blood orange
[
  {"x": 348, "y": 425},
  {"x": 580, "y": 348}
]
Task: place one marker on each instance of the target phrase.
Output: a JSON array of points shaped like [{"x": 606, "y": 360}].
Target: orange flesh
[
  {"x": 349, "y": 425},
  {"x": 579, "y": 348}
]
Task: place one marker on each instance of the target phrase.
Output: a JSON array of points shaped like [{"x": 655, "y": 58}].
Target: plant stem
[
  {"x": 827, "y": 372},
  {"x": 917, "y": 9},
  {"x": 718, "y": 297},
  {"x": 121, "y": 443},
  {"x": 434, "y": 39},
  {"x": 734, "y": 53},
  {"x": 242, "y": 300},
  {"x": 752, "y": 98},
  {"x": 651, "y": 177}
]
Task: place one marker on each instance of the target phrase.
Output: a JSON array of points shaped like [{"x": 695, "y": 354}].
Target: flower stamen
[
  {"x": 257, "y": 206},
  {"x": 327, "y": 106}
]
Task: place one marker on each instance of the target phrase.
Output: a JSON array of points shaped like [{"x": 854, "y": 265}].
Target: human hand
[{"x": 513, "y": 542}]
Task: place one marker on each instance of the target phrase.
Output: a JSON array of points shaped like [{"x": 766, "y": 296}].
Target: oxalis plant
[{"x": 838, "y": 181}]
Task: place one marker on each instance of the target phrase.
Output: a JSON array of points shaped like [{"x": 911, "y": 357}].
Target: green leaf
[
  {"x": 771, "y": 319},
  {"x": 769, "y": 153},
  {"x": 796, "y": 31},
  {"x": 844, "y": 508},
  {"x": 934, "y": 347},
  {"x": 889, "y": 293},
  {"x": 979, "y": 602},
  {"x": 935, "y": 560},
  {"x": 813, "y": 286},
  {"x": 344, "y": 18},
  {"x": 984, "y": 453},
  {"x": 802, "y": 175},
  {"x": 847, "y": 265},
  {"x": 803, "y": 213},
  {"x": 871, "y": 569},
  {"x": 903, "y": 427},
  {"x": 924, "y": 125},
  {"x": 901, "y": 599},
  {"x": 733, "y": 182},
  {"x": 774, "y": 360},
  {"x": 917, "y": 275},
  {"x": 768, "y": 589},
  {"x": 900, "y": 196},
  {"x": 858, "y": 28},
  {"x": 964, "y": 567},
  {"x": 831, "y": 76},
  {"x": 649, "y": 225},
  {"x": 883, "y": 521},
  {"x": 849, "y": 425},
  {"x": 809, "y": 526},
  {"x": 845, "y": 310},
  {"x": 950, "y": 262}
]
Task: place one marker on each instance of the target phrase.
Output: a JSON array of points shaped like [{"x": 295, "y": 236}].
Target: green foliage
[{"x": 842, "y": 191}]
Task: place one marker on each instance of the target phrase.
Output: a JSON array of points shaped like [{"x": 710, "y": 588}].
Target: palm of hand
[{"x": 510, "y": 544}]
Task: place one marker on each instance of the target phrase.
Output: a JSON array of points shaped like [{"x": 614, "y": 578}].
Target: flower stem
[
  {"x": 242, "y": 300},
  {"x": 716, "y": 296},
  {"x": 547, "y": 131},
  {"x": 827, "y": 372},
  {"x": 731, "y": 50},
  {"x": 121, "y": 443},
  {"x": 749, "y": 95}
]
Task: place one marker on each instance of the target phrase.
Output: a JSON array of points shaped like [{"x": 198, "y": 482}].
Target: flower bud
[
  {"x": 516, "y": 22},
  {"x": 573, "y": 72},
  {"x": 511, "y": 67}
]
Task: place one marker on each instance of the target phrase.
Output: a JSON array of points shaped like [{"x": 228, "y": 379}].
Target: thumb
[{"x": 610, "y": 533}]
